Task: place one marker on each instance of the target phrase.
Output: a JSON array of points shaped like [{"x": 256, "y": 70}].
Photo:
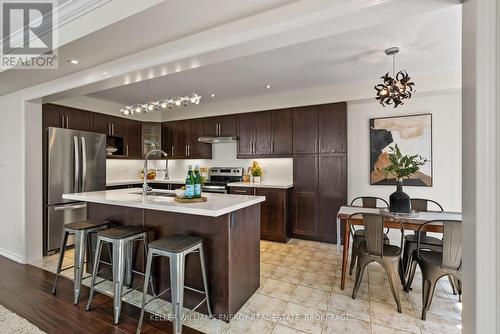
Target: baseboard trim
[{"x": 12, "y": 256}]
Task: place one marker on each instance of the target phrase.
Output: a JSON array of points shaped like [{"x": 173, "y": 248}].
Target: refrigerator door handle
[
  {"x": 70, "y": 207},
  {"x": 84, "y": 164},
  {"x": 77, "y": 166}
]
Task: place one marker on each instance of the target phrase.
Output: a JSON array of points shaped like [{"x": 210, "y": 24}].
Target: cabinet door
[
  {"x": 305, "y": 195},
  {"x": 51, "y": 115},
  {"x": 305, "y": 130},
  {"x": 332, "y": 193},
  {"x": 180, "y": 138},
  {"x": 227, "y": 125},
  {"x": 262, "y": 133},
  {"x": 211, "y": 126},
  {"x": 167, "y": 143},
  {"x": 77, "y": 119},
  {"x": 196, "y": 149},
  {"x": 282, "y": 132},
  {"x": 100, "y": 124},
  {"x": 273, "y": 214},
  {"x": 332, "y": 128},
  {"x": 245, "y": 132},
  {"x": 133, "y": 139},
  {"x": 117, "y": 126},
  {"x": 152, "y": 138}
]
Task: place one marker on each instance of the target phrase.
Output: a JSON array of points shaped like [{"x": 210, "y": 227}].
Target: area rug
[{"x": 13, "y": 324}]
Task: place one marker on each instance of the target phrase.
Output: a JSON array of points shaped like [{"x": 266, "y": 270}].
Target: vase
[
  {"x": 256, "y": 179},
  {"x": 399, "y": 201}
]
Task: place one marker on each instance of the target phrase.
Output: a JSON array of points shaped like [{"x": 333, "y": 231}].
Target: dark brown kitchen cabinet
[
  {"x": 108, "y": 125},
  {"x": 66, "y": 117},
  {"x": 197, "y": 150},
  {"x": 152, "y": 138},
  {"x": 133, "y": 139},
  {"x": 245, "y": 132},
  {"x": 305, "y": 130},
  {"x": 274, "y": 212},
  {"x": 181, "y": 140},
  {"x": 254, "y": 132},
  {"x": 305, "y": 196},
  {"x": 332, "y": 193},
  {"x": 282, "y": 124},
  {"x": 332, "y": 127},
  {"x": 220, "y": 126}
]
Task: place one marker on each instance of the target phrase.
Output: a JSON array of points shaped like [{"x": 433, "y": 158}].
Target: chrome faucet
[{"x": 145, "y": 187}]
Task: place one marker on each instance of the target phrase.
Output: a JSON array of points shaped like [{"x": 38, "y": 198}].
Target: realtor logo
[{"x": 28, "y": 35}]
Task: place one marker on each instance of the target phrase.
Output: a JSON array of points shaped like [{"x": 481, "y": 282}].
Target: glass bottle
[
  {"x": 190, "y": 183},
  {"x": 197, "y": 182}
]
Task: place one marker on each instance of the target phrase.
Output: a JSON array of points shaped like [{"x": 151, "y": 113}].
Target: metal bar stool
[
  {"x": 81, "y": 231},
  {"x": 176, "y": 248},
  {"x": 122, "y": 239}
]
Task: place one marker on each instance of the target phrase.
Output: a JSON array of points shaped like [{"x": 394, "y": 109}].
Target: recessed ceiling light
[
  {"x": 268, "y": 86},
  {"x": 73, "y": 61},
  {"x": 213, "y": 95}
]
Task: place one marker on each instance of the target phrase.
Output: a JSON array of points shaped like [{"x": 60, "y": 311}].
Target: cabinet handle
[
  {"x": 219, "y": 129},
  {"x": 67, "y": 121},
  {"x": 172, "y": 150},
  {"x": 109, "y": 129},
  {"x": 272, "y": 146},
  {"x": 113, "y": 129},
  {"x": 186, "y": 150},
  {"x": 126, "y": 149},
  {"x": 62, "y": 122},
  {"x": 189, "y": 150},
  {"x": 240, "y": 191}
]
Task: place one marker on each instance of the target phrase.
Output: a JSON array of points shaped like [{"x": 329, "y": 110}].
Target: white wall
[
  {"x": 223, "y": 155},
  {"x": 446, "y": 147},
  {"x": 105, "y": 107}
]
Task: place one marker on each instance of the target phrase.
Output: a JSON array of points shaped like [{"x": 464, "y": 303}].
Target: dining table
[{"x": 411, "y": 221}]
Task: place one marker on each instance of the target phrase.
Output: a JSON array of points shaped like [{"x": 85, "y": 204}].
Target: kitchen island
[{"x": 228, "y": 224}]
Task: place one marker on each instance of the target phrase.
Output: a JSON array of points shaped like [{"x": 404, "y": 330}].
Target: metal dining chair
[
  {"x": 435, "y": 265},
  {"x": 375, "y": 249},
  {"x": 358, "y": 235},
  {"x": 428, "y": 242}
]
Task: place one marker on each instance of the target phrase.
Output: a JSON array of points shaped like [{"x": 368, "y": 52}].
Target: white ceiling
[
  {"x": 429, "y": 42},
  {"x": 159, "y": 24}
]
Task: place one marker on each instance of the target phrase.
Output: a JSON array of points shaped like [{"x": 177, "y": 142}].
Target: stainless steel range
[{"x": 219, "y": 177}]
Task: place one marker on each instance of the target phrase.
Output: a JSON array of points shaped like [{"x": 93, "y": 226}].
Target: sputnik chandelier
[
  {"x": 397, "y": 88},
  {"x": 169, "y": 102}
]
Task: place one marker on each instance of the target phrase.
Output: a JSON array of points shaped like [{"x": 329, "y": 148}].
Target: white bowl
[{"x": 181, "y": 193}]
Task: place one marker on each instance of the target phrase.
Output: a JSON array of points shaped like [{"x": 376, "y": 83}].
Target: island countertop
[{"x": 215, "y": 206}]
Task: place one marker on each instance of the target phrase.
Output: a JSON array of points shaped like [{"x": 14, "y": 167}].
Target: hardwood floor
[{"x": 26, "y": 290}]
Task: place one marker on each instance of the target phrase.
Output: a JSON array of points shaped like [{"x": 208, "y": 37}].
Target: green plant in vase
[
  {"x": 401, "y": 167},
  {"x": 256, "y": 171}
]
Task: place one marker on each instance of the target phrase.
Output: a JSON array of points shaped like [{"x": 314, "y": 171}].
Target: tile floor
[{"x": 300, "y": 293}]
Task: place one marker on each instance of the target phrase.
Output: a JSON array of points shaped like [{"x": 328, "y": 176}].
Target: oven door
[{"x": 214, "y": 189}]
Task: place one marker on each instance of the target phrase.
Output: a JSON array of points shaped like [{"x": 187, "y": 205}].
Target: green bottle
[
  {"x": 197, "y": 182},
  {"x": 190, "y": 183}
]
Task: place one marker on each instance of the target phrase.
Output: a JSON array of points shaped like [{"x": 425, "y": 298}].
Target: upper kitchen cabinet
[
  {"x": 282, "y": 141},
  {"x": 133, "y": 147},
  {"x": 109, "y": 125},
  {"x": 332, "y": 127},
  {"x": 254, "y": 131},
  {"x": 195, "y": 148},
  {"x": 151, "y": 137},
  {"x": 66, "y": 117},
  {"x": 220, "y": 126},
  {"x": 305, "y": 129},
  {"x": 181, "y": 140}
]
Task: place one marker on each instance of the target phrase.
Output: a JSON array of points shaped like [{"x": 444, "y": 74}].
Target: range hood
[{"x": 218, "y": 139}]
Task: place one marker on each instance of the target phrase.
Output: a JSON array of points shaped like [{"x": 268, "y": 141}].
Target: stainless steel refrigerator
[{"x": 75, "y": 161}]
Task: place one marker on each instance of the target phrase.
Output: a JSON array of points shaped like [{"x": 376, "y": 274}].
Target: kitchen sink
[{"x": 154, "y": 193}]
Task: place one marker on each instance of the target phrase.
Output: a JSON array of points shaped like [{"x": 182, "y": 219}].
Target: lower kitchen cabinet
[
  {"x": 305, "y": 196},
  {"x": 274, "y": 212}
]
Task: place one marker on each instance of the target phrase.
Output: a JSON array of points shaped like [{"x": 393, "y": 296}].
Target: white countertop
[
  {"x": 217, "y": 204},
  {"x": 277, "y": 185},
  {"x": 137, "y": 181}
]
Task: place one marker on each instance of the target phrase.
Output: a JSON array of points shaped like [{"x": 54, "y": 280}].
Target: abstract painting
[{"x": 413, "y": 135}]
